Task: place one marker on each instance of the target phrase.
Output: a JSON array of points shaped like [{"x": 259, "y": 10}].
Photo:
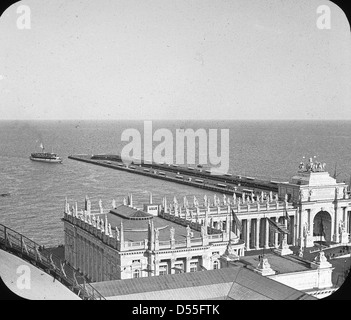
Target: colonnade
[{"x": 257, "y": 233}]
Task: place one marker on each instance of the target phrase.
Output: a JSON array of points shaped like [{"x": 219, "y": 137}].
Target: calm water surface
[{"x": 270, "y": 149}]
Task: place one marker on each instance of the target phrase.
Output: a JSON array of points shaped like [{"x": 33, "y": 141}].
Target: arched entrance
[{"x": 322, "y": 226}]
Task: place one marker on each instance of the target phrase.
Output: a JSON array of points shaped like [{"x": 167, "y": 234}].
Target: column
[
  {"x": 344, "y": 236},
  {"x": 296, "y": 227},
  {"x": 276, "y": 235},
  {"x": 79, "y": 253},
  {"x": 310, "y": 222},
  {"x": 300, "y": 226},
  {"x": 293, "y": 230},
  {"x": 257, "y": 244},
  {"x": 97, "y": 264},
  {"x": 247, "y": 240},
  {"x": 206, "y": 262},
  {"x": 333, "y": 226},
  {"x": 88, "y": 259},
  {"x": 172, "y": 271},
  {"x": 101, "y": 261},
  {"x": 74, "y": 248},
  {"x": 243, "y": 230},
  {"x": 336, "y": 225},
  {"x": 93, "y": 273},
  {"x": 85, "y": 261},
  {"x": 187, "y": 264},
  {"x": 91, "y": 260},
  {"x": 157, "y": 267},
  {"x": 285, "y": 235},
  {"x": 266, "y": 245}
]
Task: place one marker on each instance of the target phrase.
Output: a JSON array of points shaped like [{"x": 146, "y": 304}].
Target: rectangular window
[
  {"x": 193, "y": 266},
  {"x": 163, "y": 270}
]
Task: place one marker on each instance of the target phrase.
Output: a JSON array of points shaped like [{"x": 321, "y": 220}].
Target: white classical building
[
  {"x": 323, "y": 205},
  {"x": 205, "y": 234},
  {"x": 312, "y": 207},
  {"x": 126, "y": 242}
]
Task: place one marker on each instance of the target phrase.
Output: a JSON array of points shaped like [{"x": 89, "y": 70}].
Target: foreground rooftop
[
  {"x": 41, "y": 285},
  {"x": 235, "y": 283}
]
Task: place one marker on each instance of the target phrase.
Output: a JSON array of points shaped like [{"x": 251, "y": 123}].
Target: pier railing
[{"x": 16, "y": 243}]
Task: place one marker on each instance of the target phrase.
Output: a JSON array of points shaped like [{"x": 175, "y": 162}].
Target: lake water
[{"x": 264, "y": 149}]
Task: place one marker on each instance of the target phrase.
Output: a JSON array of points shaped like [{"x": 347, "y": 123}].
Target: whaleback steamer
[{"x": 45, "y": 156}]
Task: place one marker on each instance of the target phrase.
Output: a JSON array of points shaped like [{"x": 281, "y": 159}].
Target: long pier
[{"x": 195, "y": 177}]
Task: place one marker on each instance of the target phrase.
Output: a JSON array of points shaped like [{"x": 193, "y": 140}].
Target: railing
[
  {"x": 215, "y": 236},
  {"x": 180, "y": 243},
  {"x": 134, "y": 244},
  {"x": 196, "y": 241},
  {"x": 16, "y": 243},
  {"x": 166, "y": 243}
]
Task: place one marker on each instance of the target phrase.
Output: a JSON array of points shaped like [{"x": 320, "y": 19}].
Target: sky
[{"x": 175, "y": 59}]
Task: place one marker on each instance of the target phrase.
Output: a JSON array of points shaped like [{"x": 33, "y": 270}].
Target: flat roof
[
  {"x": 280, "y": 264},
  {"x": 137, "y": 229}
]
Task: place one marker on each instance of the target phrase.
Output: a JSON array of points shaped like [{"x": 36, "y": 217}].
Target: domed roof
[{"x": 131, "y": 213}]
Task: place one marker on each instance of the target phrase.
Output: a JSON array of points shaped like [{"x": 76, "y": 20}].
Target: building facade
[
  {"x": 312, "y": 207},
  {"x": 186, "y": 236},
  {"x": 323, "y": 205},
  {"x": 126, "y": 242}
]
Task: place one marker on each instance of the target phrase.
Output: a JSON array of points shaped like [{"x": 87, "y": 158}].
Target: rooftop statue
[
  {"x": 230, "y": 249},
  {"x": 172, "y": 231},
  {"x": 100, "y": 206},
  {"x": 203, "y": 231},
  {"x": 185, "y": 202},
  {"x": 157, "y": 233},
  {"x": 306, "y": 229},
  {"x": 263, "y": 262},
  {"x": 188, "y": 231},
  {"x": 311, "y": 166},
  {"x": 196, "y": 203},
  {"x": 342, "y": 228},
  {"x": 224, "y": 199},
  {"x": 234, "y": 197}
]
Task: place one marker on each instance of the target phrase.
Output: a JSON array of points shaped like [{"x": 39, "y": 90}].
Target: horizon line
[{"x": 167, "y": 119}]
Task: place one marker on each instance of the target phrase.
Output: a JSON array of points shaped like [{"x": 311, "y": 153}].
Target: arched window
[
  {"x": 136, "y": 273},
  {"x": 215, "y": 264}
]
